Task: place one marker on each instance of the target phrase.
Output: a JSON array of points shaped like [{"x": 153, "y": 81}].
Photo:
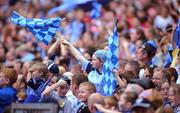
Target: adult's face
[
  {"x": 164, "y": 90},
  {"x": 173, "y": 98},
  {"x": 157, "y": 78},
  {"x": 140, "y": 54}
]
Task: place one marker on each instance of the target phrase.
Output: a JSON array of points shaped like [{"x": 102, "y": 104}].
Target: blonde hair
[
  {"x": 40, "y": 67},
  {"x": 90, "y": 86}
]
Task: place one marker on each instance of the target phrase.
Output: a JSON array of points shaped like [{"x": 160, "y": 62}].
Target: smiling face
[{"x": 83, "y": 93}]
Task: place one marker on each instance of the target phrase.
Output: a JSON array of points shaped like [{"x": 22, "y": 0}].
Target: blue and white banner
[
  {"x": 109, "y": 80},
  {"x": 43, "y": 29}
]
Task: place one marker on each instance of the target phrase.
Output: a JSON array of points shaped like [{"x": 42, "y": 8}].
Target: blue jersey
[{"x": 94, "y": 76}]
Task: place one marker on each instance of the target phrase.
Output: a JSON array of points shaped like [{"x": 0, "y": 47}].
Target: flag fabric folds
[
  {"x": 67, "y": 5},
  {"x": 43, "y": 29},
  {"x": 175, "y": 55},
  {"x": 177, "y": 35},
  {"x": 96, "y": 11},
  {"x": 109, "y": 80}
]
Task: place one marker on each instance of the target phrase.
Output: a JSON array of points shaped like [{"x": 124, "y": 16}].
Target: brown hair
[
  {"x": 111, "y": 100},
  {"x": 130, "y": 97},
  {"x": 11, "y": 74},
  {"x": 135, "y": 67},
  {"x": 164, "y": 109},
  {"x": 128, "y": 75},
  {"x": 90, "y": 86},
  {"x": 150, "y": 69},
  {"x": 176, "y": 89},
  {"x": 157, "y": 99},
  {"x": 78, "y": 79},
  {"x": 173, "y": 73}
]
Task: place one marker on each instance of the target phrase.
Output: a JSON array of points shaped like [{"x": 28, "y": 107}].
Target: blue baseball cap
[{"x": 101, "y": 54}]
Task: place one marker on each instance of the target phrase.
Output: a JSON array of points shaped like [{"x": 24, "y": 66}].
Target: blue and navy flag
[
  {"x": 177, "y": 35},
  {"x": 43, "y": 29},
  {"x": 96, "y": 11},
  {"x": 109, "y": 80}
]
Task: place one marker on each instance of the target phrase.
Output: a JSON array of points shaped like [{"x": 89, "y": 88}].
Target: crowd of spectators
[{"x": 68, "y": 72}]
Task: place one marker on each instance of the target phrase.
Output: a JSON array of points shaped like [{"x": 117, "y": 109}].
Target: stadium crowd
[{"x": 68, "y": 72}]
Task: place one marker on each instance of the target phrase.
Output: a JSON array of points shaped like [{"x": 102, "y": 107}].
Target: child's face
[
  {"x": 83, "y": 94},
  {"x": 34, "y": 73},
  {"x": 3, "y": 80},
  {"x": 96, "y": 63},
  {"x": 63, "y": 89}
]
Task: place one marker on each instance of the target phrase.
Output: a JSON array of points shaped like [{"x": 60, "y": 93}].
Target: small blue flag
[
  {"x": 43, "y": 29},
  {"x": 109, "y": 80},
  {"x": 96, "y": 11}
]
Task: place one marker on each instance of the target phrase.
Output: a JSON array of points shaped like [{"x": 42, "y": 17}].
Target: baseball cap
[
  {"x": 53, "y": 68},
  {"x": 143, "y": 82},
  {"x": 150, "y": 49},
  {"x": 68, "y": 74}
]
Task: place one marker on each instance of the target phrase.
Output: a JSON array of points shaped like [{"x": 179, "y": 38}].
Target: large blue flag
[
  {"x": 109, "y": 81},
  {"x": 43, "y": 29}
]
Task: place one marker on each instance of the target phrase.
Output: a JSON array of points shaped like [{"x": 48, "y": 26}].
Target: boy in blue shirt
[
  {"x": 36, "y": 79},
  {"x": 8, "y": 94},
  {"x": 93, "y": 68}
]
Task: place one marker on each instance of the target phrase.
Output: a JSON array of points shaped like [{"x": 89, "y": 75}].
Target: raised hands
[
  {"x": 61, "y": 82},
  {"x": 64, "y": 42}
]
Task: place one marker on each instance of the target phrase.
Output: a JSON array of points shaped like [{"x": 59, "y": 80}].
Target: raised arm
[
  {"x": 48, "y": 90},
  {"x": 55, "y": 45},
  {"x": 100, "y": 108},
  {"x": 172, "y": 37},
  {"x": 74, "y": 51},
  {"x": 120, "y": 81},
  {"x": 53, "y": 48}
]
